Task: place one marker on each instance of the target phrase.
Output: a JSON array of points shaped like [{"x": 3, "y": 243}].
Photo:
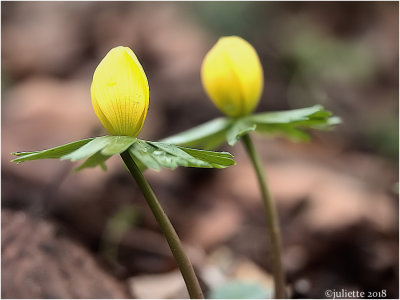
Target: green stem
[
  {"x": 272, "y": 219},
  {"x": 182, "y": 260}
]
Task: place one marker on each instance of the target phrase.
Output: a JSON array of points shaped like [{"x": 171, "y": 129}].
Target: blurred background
[{"x": 91, "y": 235}]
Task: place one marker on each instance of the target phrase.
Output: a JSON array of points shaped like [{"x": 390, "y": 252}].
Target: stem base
[
  {"x": 174, "y": 243},
  {"x": 272, "y": 219}
]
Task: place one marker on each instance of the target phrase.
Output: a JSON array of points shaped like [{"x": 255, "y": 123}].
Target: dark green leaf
[
  {"x": 156, "y": 155},
  {"x": 142, "y": 152},
  {"x": 55, "y": 152},
  {"x": 147, "y": 154},
  {"x": 171, "y": 149},
  {"x": 223, "y": 159}
]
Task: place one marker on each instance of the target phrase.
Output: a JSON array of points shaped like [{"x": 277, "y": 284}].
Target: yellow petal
[
  {"x": 232, "y": 76},
  {"x": 120, "y": 92}
]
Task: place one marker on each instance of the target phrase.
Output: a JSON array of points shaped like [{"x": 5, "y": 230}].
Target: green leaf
[
  {"x": 209, "y": 135},
  {"x": 292, "y": 123},
  {"x": 237, "y": 289},
  {"x": 96, "y": 150},
  {"x": 142, "y": 152},
  {"x": 289, "y": 131},
  {"x": 99, "y": 150},
  {"x": 97, "y": 159},
  {"x": 221, "y": 159},
  {"x": 117, "y": 145},
  {"x": 155, "y": 155},
  {"x": 330, "y": 123},
  {"x": 290, "y": 116},
  {"x": 240, "y": 128},
  {"x": 22, "y": 153},
  {"x": 51, "y": 153},
  {"x": 89, "y": 149}
]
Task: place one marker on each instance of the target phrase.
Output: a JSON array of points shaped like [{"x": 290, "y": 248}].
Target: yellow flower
[
  {"x": 120, "y": 92},
  {"x": 232, "y": 76}
]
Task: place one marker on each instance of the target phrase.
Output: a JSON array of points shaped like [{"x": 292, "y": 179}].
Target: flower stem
[
  {"x": 272, "y": 219},
  {"x": 182, "y": 260}
]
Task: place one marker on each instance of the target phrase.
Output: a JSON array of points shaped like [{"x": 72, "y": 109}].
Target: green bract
[
  {"x": 290, "y": 123},
  {"x": 154, "y": 155}
]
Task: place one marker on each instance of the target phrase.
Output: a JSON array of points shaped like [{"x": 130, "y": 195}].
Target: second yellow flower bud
[{"x": 232, "y": 76}]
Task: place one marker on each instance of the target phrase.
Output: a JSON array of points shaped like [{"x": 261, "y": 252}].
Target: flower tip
[{"x": 232, "y": 76}]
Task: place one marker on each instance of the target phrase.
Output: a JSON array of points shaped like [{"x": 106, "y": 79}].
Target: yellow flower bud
[
  {"x": 120, "y": 92},
  {"x": 232, "y": 76}
]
